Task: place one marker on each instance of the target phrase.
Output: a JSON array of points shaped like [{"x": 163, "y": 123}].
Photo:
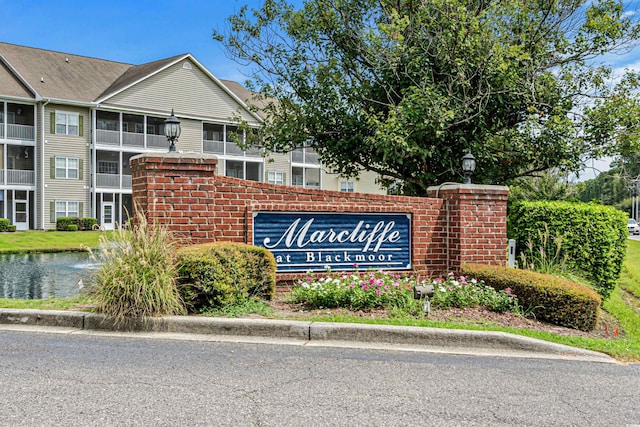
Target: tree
[
  {"x": 406, "y": 87},
  {"x": 547, "y": 185}
]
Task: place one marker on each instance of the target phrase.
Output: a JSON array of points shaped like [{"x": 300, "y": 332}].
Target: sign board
[{"x": 303, "y": 241}]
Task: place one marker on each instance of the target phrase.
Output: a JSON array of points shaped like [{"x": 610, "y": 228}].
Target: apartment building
[{"x": 70, "y": 124}]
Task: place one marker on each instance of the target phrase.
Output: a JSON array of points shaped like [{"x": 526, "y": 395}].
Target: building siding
[
  {"x": 67, "y": 146},
  {"x": 189, "y": 92}
]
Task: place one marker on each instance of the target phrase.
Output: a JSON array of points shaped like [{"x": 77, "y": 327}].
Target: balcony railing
[
  {"x": 108, "y": 137},
  {"x": 126, "y": 181},
  {"x": 2, "y": 130},
  {"x": 209, "y": 146},
  {"x": 233, "y": 149},
  {"x": 157, "y": 141},
  {"x": 20, "y": 177},
  {"x": 132, "y": 139},
  {"x": 23, "y": 132},
  {"x": 254, "y": 152},
  {"x": 109, "y": 180}
]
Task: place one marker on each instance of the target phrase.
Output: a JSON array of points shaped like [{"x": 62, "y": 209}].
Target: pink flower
[
  {"x": 377, "y": 291},
  {"x": 387, "y": 287},
  {"x": 365, "y": 287}
]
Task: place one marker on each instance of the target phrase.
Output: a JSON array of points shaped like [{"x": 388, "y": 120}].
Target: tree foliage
[{"x": 406, "y": 87}]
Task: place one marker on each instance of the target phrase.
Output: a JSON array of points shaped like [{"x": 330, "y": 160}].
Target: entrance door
[
  {"x": 21, "y": 214},
  {"x": 107, "y": 216}
]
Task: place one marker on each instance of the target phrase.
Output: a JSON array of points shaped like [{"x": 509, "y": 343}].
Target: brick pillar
[
  {"x": 171, "y": 188},
  {"x": 475, "y": 223}
]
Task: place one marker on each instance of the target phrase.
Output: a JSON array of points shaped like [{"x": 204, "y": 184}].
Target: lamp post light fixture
[
  {"x": 172, "y": 131},
  {"x": 468, "y": 166}
]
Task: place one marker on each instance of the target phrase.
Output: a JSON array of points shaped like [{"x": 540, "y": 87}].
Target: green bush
[
  {"x": 137, "y": 276},
  {"x": 549, "y": 298},
  {"x": 593, "y": 237},
  {"x": 82, "y": 224},
  {"x": 87, "y": 224},
  {"x": 213, "y": 275},
  {"x": 5, "y": 225},
  {"x": 63, "y": 223}
]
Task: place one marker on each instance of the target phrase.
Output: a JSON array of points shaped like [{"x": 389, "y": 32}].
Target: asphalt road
[{"x": 82, "y": 379}]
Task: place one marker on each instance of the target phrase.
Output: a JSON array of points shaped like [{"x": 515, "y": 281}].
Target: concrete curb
[{"x": 314, "y": 332}]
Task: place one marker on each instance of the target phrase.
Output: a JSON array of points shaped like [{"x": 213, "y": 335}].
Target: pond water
[{"x": 43, "y": 275}]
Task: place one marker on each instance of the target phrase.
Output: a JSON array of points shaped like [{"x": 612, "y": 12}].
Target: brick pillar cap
[
  {"x": 467, "y": 188},
  {"x": 176, "y": 156}
]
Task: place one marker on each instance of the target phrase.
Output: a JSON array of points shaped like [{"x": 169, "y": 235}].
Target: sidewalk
[{"x": 403, "y": 338}]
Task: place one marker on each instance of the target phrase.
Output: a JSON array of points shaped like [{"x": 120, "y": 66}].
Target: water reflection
[{"x": 42, "y": 275}]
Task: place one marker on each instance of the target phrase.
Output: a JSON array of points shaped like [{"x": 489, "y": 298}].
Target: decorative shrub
[
  {"x": 5, "y": 225},
  {"x": 87, "y": 224},
  {"x": 549, "y": 298},
  {"x": 72, "y": 227},
  {"x": 593, "y": 237},
  {"x": 137, "y": 276},
  {"x": 213, "y": 275},
  {"x": 81, "y": 224}
]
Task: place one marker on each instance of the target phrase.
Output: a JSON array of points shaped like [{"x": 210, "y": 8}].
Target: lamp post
[
  {"x": 172, "y": 131},
  {"x": 468, "y": 166}
]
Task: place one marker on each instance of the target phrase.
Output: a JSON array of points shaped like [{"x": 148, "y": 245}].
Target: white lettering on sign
[{"x": 372, "y": 237}]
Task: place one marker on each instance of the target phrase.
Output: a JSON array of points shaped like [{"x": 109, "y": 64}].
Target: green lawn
[{"x": 48, "y": 241}]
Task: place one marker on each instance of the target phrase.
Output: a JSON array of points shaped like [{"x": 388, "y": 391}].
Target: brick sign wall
[{"x": 455, "y": 224}]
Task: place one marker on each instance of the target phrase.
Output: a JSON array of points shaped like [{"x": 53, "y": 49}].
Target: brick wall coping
[{"x": 467, "y": 188}]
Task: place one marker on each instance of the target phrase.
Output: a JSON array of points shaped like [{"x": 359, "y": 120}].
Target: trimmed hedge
[
  {"x": 5, "y": 225},
  {"x": 551, "y": 299},
  {"x": 594, "y": 237},
  {"x": 213, "y": 275},
  {"x": 64, "y": 223}
]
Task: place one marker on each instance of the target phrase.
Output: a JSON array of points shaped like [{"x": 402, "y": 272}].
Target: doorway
[{"x": 106, "y": 215}]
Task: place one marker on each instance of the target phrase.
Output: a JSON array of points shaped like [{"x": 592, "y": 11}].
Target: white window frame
[
  {"x": 347, "y": 186},
  {"x": 66, "y": 208},
  {"x": 67, "y": 167},
  {"x": 275, "y": 177},
  {"x": 108, "y": 167},
  {"x": 244, "y": 162},
  {"x": 305, "y": 166},
  {"x": 67, "y": 123}
]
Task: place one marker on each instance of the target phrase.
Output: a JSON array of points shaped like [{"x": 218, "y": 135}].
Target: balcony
[
  {"x": 157, "y": 141},
  {"x": 108, "y": 180},
  {"x": 108, "y": 137},
  {"x": 21, "y": 132},
  {"x": 131, "y": 139},
  {"x": 17, "y": 177},
  {"x": 215, "y": 147}
]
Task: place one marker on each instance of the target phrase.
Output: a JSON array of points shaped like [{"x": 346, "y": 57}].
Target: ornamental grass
[{"x": 137, "y": 276}]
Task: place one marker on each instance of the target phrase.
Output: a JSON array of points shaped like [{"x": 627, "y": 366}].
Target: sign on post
[{"x": 338, "y": 241}]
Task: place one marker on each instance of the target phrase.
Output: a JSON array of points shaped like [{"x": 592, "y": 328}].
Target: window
[
  {"x": 275, "y": 177},
  {"x": 107, "y": 167},
  {"x": 67, "y": 123},
  {"x": 251, "y": 171},
  {"x": 67, "y": 208},
  {"x": 67, "y": 167},
  {"x": 305, "y": 177},
  {"x": 347, "y": 186},
  {"x": 305, "y": 169}
]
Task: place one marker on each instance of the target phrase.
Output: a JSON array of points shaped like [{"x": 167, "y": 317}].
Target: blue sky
[
  {"x": 140, "y": 31},
  {"x": 133, "y": 31}
]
